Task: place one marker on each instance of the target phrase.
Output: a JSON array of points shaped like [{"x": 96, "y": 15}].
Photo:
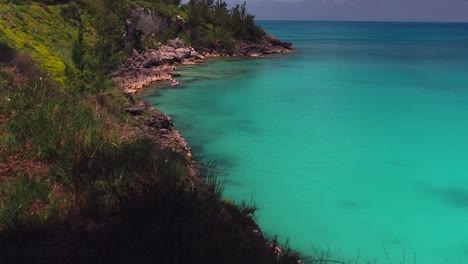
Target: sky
[{"x": 359, "y": 10}]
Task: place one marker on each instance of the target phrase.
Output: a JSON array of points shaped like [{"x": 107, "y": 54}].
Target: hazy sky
[{"x": 376, "y": 10}]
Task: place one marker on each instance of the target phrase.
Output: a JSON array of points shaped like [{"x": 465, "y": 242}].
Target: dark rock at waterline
[
  {"x": 160, "y": 121},
  {"x": 269, "y": 45},
  {"x": 274, "y": 41},
  {"x": 155, "y": 124}
]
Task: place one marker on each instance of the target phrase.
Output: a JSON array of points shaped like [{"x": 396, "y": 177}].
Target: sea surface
[{"x": 356, "y": 143}]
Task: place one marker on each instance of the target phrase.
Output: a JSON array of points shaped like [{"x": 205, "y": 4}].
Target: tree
[{"x": 220, "y": 13}]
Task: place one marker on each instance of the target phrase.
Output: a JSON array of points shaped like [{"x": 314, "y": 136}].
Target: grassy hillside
[
  {"x": 40, "y": 31},
  {"x": 79, "y": 181}
]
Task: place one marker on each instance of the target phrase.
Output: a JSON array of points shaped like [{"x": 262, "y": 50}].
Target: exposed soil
[{"x": 17, "y": 163}]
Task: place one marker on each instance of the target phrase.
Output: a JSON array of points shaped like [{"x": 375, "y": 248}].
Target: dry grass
[{"x": 15, "y": 163}]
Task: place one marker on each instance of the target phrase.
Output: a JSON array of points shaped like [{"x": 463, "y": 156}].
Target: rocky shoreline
[
  {"x": 155, "y": 124},
  {"x": 143, "y": 69},
  {"x": 152, "y": 65}
]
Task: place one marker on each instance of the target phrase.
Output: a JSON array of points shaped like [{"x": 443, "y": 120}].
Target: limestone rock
[
  {"x": 152, "y": 65},
  {"x": 176, "y": 43},
  {"x": 168, "y": 54},
  {"x": 183, "y": 53},
  {"x": 196, "y": 55},
  {"x": 146, "y": 21}
]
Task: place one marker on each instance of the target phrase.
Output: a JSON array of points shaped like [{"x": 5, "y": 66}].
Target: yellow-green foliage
[{"x": 40, "y": 31}]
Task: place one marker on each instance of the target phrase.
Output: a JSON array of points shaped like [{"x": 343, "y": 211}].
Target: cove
[{"x": 355, "y": 143}]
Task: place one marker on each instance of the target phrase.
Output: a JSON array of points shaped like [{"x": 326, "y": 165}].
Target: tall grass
[
  {"x": 108, "y": 194},
  {"x": 26, "y": 202},
  {"x": 79, "y": 133},
  {"x": 107, "y": 200}
]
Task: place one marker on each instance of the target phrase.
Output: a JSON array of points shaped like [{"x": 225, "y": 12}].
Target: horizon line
[{"x": 374, "y": 21}]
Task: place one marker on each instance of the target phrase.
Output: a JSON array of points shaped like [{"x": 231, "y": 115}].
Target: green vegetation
[
  {"x": 213, "y": 26},
  {"x": 78, "y": 182},
  {"x": 164, "y": 8},
  {"x": 40, "y": 32},
  {"x": 208, "y": 24}
]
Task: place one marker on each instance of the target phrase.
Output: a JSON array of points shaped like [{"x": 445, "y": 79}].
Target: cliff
[
  {"x": 222, "y": 33},
  {"x": 89, "y": 175}
]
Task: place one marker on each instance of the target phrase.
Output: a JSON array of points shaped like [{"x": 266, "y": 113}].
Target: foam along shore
[{"x": 152, "y": 65}]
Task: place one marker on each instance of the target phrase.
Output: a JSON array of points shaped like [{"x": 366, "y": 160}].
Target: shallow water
[{"x": 356, "y": 142}]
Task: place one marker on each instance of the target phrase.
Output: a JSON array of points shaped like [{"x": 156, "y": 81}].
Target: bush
[{"x": 26, "y": 202}]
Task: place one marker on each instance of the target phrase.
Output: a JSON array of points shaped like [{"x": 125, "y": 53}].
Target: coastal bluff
[{"x": 93, "y": 174}]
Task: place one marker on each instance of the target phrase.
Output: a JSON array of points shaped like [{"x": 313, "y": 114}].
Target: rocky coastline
[
  {"x": 84, "y": 181},
  {"x": 145, "y": 68},
  {"x": 155, "y": 124},
  {"x": 152, "y": 65}
]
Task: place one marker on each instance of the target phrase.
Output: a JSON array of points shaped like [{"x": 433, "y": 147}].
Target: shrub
[{"x": 26, "y": 202}]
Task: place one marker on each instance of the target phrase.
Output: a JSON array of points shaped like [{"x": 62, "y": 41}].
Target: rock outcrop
[
  {"x": 159, "y": 124},
  {"x": 150, "y": 22},
  {"x": 269, "y": 45},
  {"x": 147, "y": 22},
  {"x": 152, "y": 65},
  {"x": 154, "y": 123}
]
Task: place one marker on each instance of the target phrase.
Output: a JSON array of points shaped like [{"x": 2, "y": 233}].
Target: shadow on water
[
  {"x": 455, "y": 196},
  {"x": 219, "y": 171},
  {"x": 223, "y": 163}
]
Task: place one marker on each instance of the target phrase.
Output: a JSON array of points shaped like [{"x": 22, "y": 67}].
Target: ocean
[{"x": 355, "y": 144}]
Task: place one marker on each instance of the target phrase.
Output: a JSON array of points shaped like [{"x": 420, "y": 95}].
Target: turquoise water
[{"x": 356, "y": 143}]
